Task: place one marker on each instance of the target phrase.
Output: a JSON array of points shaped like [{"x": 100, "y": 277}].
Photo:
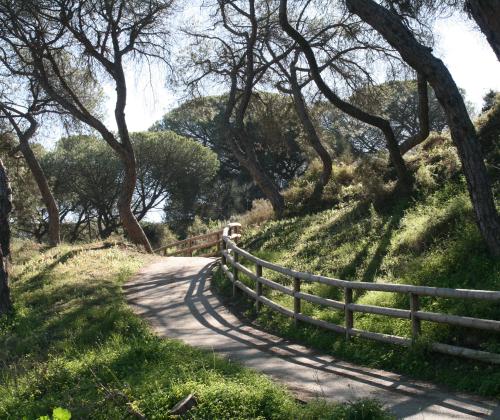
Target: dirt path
[{"x": 174, "y": 295}]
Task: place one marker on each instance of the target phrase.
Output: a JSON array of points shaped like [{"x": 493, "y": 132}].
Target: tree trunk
[
  {"x": 486, "y": 13},
  {"x": 5, "y": 208},
  {"x": 47, "y": 197},
  {"x": 382, "y": 124},
  {"x": 250, "y": 162},
  {"x": 312, "y": 136},
  {"x": 127, "y": 155},
  {"x": 423, "y": 117},
  {"x": 463, "y": 133},
  {"x": 129, "y": 222}
]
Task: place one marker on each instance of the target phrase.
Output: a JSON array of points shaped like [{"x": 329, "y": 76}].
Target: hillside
[
  {"x": 73, "y": 343},
  {"x": 428, "y": 239}
]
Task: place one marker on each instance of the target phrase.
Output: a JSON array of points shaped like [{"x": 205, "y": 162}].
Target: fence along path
[
  {"x": 210, "y": 241},
  {"x": 231, "y": 254}
]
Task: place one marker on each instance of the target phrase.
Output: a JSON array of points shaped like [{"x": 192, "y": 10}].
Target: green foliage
[
  {"x": 73, "y": 342},
  {"x": 87, "y": 177},
  {"x": 274, "y": 129},
  {"x": 363, "y": 179},
  {"x": 261, "y": 211},
  {"x": 488, "y": 127},
  {"x": 58, "y": 413},
  {"x": 431, "y": 240},
  {"x": 158, "y": 234},
  {"x": 200, "y": 227}
]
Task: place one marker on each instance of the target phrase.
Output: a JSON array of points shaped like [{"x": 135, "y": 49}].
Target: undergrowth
[
  {"x": 430, "y": 239},
  {"x": 73, "y": 344}
]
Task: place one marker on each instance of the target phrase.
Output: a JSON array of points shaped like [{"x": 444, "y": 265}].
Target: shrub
[
  {"x": 371, "y": 178},
  {"x": 488, "y": 128},
  {"x": 363, "y": 179},
  {"x": 200, "y": 227},
  {"x": 158, "y": 234},
  {"x": 261, "y": 211},
  {"x": 434, "y": 162}
]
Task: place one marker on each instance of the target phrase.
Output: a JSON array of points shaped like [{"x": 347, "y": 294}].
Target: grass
[
  {"x": 428, "y": 240},
  {"x": 73, "y": 343}
]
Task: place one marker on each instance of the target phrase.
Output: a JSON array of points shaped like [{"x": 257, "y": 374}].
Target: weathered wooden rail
[
  {"x": 197, "y": 243},
  {"x": 231, "y": 254}
]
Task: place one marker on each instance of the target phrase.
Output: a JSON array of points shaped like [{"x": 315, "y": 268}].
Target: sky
[{"x": 459, "y": 44}]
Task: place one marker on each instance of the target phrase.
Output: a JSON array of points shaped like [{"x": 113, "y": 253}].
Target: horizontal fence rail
[
  {"x": 231, "y": 266},
  {"x": 196, "y": 243}
]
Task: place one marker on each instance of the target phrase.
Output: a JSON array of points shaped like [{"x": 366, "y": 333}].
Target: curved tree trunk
[
  {"x": 127, "y": 155},
  {"x": 463, "y": 133},
  {"x": 47, "y": 197},
  {"x": 129, "y": 222},
  {"x": 423, "y": 117},
  {"x": 5, "y": 208},
  {"x": 250, "y": 162},
  {"x": 312, "y": 136},
  {"x": 486, "y": 13},
  {"x": 382, "y": 124}
]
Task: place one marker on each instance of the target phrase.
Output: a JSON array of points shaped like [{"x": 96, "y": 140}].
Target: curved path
[{"x": 174, "y": 295}]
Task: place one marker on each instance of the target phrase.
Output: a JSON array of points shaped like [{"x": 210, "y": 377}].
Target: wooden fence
[
  {"x": 197, "y": 243},
  {"x": 231, "y": 254}
]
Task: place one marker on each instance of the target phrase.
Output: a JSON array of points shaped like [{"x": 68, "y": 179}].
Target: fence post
[
  {"x": 349, "y": 318},
  {"x": 218, "y": 243},
  {"x": 296, "y": 300},
  {"x": 224, "y": 248},
  {"x": 235, "y": 273},
  {"x": 415, "y": 322},
  {"x": 190, "y": 244},
  {"x": 258, "y": 287}
]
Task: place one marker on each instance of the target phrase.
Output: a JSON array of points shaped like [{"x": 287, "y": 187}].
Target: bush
[
  {"x": 261, "y": 211},
  {"x": 158, "y": 234},
  {"x": 200, "y": 227},
  {"x": 363, "y": 179},
  {"x": 488, "y": 128},
  {"x": 434, "y": 162}
]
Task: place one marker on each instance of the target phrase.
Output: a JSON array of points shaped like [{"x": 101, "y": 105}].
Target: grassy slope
[
  {"x": 73, "y": 342},
  {"x": 430, "y": 241}
]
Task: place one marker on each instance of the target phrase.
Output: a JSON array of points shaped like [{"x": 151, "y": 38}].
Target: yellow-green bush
[{"x": 261, "y": 211}]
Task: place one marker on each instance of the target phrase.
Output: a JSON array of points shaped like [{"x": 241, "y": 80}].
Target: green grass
[
  {"x": 72, "y": 342},
  {"x": 429, "y": 240}
]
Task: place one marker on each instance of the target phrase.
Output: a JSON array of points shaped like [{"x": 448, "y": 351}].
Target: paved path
[{"x": 174, "y": 295}]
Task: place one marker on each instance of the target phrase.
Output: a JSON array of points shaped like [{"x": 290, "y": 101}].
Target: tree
[
  {"x": 21, "y": 114},
  {"x": 398, "y": 102},
  {"x": 231, "y": 55},
  {"x": 29, "y": 217},
  {"x": 5, "y": 208},
  {"x": 486, "y": 13},
  {"x": 399, "y": 35},
  {"x": 273, "y": 129},
  {"x": 356, "y": 112},
  {"x": 98, "y": 36},
  {"x": 489, "y": 100},
  {"x": 289, "y": 74},
  {"x": 87, "y": 178}
]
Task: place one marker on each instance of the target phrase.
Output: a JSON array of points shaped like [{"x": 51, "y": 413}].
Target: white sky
[{"x": 469, "y": 58}]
